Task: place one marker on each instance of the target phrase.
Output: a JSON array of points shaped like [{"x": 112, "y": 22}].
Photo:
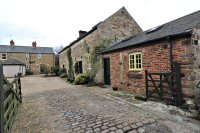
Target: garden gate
[
  {"x": 165, "y": 86},
  {"x": 10, "y": 98}
]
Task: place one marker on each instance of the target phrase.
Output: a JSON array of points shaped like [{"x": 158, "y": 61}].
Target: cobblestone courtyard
[{"x": 50, "y": 105}]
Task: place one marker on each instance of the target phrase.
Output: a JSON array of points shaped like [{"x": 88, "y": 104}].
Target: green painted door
[{"x": 106, "y": 71}]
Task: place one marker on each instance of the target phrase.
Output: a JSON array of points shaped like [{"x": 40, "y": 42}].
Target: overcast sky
[{"x": 57, "y": 22}]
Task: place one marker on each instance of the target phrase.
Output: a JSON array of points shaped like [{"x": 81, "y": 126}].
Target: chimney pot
[
  {"x": 82, "y": 33},
  {"x": 12, "y": 43},
  {"x": 34, "y": 44}
]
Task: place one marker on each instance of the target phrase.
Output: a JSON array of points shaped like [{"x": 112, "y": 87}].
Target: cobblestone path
[{"x": 50, "y": 105}]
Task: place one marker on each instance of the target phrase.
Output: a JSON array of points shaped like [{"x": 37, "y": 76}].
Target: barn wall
[{"x": 155, "y": 58}]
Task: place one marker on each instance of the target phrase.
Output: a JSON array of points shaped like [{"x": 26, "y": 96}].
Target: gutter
[{"x": 170, "y": 53}]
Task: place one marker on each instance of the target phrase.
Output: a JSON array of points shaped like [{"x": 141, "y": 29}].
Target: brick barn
[{"x": 127, "y": 60}]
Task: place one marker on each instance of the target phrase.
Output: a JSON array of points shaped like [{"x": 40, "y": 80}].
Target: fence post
[
  {"x": 1, "y": 100},
  {"x": 20, "y": 88},
  {"x": 161, "y": 87},
  {"x": 146, "y": 82},
  {"x": 178, "y": 83}
]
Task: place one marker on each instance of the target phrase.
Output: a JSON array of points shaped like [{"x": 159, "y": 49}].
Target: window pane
[{"x": 3, "y": 56}]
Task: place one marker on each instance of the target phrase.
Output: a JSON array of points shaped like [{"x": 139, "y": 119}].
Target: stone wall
[
  {"x": 79, "y": 52},
  {"x": 196, "y": 67},
  {"x": 63, "y": 63},
  {"x": 155, "y": 58},
  {"x": 118, "y": 26},
  {"x": 47, "y": 59},
  {"x": 196, "y": 53}
]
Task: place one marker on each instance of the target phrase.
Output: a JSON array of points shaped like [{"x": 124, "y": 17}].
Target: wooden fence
[
  {"x": 10, "y": 98},
  {"x": 165, "y": 86}
]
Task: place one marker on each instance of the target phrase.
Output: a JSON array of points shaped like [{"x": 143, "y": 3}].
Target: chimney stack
[
  {"x": 12, "y": 43},
  {"x": 82, "y": 33},
  {"x": 34, "y": 44}
]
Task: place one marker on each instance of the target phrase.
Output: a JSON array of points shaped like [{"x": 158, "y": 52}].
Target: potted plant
[{"x": 115, "y": 88}]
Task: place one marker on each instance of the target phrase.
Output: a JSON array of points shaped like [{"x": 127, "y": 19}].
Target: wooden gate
[
  {"x": 10, "y": 98},
  {"x": 165, "y": 86}
]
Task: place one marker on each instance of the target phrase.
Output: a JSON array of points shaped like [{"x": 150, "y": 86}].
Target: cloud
[
  {"x": 55, "y": 22},
  {"x": 12, "y": 31}
]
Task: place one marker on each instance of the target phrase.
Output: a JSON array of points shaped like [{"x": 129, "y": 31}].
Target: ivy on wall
[
  {"x": 95, "y": 59},
  {"x": 86, "y": 46},
  {"x": 70, "y": 62}
]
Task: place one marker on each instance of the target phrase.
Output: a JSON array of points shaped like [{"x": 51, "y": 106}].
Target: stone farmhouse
[
  {"x": 36, "y": 59},
  {"x": 118, "y": 26},
  {"x": 156, "y": 50}
]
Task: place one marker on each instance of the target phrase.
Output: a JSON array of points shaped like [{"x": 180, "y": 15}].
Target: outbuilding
[
  {"x": 151, "y": 59},
  {"x": 13, "y": 67}
]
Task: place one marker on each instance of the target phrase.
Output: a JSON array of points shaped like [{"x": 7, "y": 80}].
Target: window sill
[{"x": 135, "y": 70}]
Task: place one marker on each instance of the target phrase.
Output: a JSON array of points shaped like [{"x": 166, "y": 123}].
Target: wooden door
[{"x": 107, "y": 71}]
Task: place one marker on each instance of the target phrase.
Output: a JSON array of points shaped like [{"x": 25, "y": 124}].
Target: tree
[{"x": 57, "y": 49}]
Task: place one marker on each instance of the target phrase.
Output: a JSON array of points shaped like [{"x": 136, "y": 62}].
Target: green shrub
[
  {"x": 81, "y": 79},
  {"x": 62, "y": 71},
  {"x": 55, "y": 70}
]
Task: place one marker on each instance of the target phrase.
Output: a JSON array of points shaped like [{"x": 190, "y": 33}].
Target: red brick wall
[{"x": 155, "y": 58}]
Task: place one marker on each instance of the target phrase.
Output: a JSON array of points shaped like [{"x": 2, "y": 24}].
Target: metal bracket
[{"x": 198, "y": 84}]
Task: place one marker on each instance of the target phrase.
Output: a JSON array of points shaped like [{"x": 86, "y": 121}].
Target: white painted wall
[{"x": 12, "y": 70}]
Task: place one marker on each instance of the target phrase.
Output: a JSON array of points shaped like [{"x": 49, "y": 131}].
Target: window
[
  {"x": 27, "y": 66},
  {"x": 27, "y": 55},
  {"x": 78, "y": 67},
  {"x": 4, "y": 56},
  {"x": 135, "y": 61},
  {"x": 39, "y": 55}
]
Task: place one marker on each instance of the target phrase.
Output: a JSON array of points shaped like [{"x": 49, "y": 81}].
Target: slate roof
[
  {"x": 25, "y": 49},
  {"x": 13, "y": 62},
  {"x": 178, "y": 27}
]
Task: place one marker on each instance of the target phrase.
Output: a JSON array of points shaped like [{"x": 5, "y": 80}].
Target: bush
[
  {"x": 81, "y": 79},
  {"x": 55, "y": 70},
  {"x": 62, "y": 71}
]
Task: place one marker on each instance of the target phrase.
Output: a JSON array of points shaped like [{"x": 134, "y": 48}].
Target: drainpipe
[
  {"x": 170, "y": 53},
  {"x": 30, "y": 62}
]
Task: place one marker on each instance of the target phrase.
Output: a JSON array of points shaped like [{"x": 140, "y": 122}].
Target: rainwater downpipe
[{"x": 170, "y": 53}]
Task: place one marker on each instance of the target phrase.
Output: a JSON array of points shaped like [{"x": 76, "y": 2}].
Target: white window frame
[
  {"x": 27, "y": 66},
  {"x": 5, "y": 56},
  {"x": 27, "y": 55},
  {"x": 38, "y": 67},
  {"x": 39, "y": 55}
]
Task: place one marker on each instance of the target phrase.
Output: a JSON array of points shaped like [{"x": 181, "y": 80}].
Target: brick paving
[{"x": 53, "y": 106}]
